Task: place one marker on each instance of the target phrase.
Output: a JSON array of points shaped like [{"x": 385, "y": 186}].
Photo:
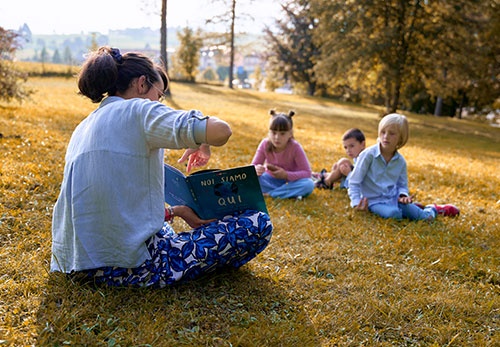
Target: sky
[{"x": 76, "y": 16}]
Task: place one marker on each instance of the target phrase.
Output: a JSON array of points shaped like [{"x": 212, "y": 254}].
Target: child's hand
[
  {"x": 278, "y": 172},
  {"x": 197, "y": 157},
  {"x": 405, "y": 199},
  {"x": 363, "y": 205},
  {"x": 260, "y": 169},
  {"x": 345, "y": 169},
  {"x": 271, "y": 167}
]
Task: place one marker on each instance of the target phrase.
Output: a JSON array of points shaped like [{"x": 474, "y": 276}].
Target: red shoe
[{"x": 447, "y": 210}]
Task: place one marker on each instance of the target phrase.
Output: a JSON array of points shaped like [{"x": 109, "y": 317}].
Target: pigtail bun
[
  {"x": 98, "y": 75},
  {"x": 272, "y": 112},
  {"x": 291, "y": 113}
]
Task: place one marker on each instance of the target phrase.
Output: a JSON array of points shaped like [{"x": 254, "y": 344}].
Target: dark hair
[
  {"x": 354, "y": 133},
  {"x": 106, "y": 72},
  {"x": 279, "y": 122}
]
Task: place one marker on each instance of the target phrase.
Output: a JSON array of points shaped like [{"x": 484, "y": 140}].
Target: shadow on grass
[{"x": 226, "y": 307}]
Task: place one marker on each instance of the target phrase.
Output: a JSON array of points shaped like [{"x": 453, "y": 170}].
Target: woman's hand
[
  {"x": 277, "y": 172},
  {"x": 197, "y": 157},
  {"x": 191, "y": 218},
  {"x": 260, "y": 169},
  {"x": 403, "y": 199},
  {"x": 363, "y": 205}
]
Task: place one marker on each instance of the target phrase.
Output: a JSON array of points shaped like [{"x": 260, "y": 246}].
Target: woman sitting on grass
[
  {"x": 379, "y": 181},
  {"x": 108, "y": 222}
]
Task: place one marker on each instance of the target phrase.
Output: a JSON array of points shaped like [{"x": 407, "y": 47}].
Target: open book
[{"x": 215, "y": 193}]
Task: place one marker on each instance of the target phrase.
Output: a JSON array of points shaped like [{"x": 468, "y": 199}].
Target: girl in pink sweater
[{"x": 280, "y": 161}]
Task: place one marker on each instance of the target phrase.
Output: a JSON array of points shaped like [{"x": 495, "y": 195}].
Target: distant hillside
[{"x": 76, "y": 45}]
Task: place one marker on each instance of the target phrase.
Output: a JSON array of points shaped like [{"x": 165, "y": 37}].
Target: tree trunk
[
  {"x": 388, "y": 94},
  {"x": 311, "y": 88},
  {"x": 231, "y": 61},
  {"x": 397, "y": 92},
  {"x": 163, "y": 39},
  {"x": 461, "y": 106},
  {"x": 438, "y": 110}
]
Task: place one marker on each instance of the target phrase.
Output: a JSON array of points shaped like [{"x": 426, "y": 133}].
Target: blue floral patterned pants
[{"x": 232, "y": 241}]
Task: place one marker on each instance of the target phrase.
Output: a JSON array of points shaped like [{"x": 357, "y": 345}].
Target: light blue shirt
[
  {"x": 111, "y": 198},
  {"x": 376, "y": 180}
]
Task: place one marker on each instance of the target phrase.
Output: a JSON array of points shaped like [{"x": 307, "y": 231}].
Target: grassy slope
[{"x": 329, "y": 276}]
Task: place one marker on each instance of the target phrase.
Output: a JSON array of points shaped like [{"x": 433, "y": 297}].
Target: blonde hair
[{"x": 401, "y": 122}]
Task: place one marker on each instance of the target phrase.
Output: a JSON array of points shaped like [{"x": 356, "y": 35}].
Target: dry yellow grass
[{"x": 329, "y": 276}]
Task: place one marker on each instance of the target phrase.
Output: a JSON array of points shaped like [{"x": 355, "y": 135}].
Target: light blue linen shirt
[
  {"x": 111, "y": 198},
  {"x": 376, "y": 180}
]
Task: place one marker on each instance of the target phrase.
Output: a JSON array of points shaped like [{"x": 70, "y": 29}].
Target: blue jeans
[
  {"x": 278, "y": 188},
  {"x": 400, "y": 211}
]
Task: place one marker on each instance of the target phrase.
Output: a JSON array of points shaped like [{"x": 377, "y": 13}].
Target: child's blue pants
[{"x": 278, "y": 188}]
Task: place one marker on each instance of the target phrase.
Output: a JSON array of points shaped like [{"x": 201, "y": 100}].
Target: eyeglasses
[{"x": 162, "y": 95}]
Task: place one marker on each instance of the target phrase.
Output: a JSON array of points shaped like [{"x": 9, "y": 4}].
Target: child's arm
[
  {"x": 363, "y": 164},
  {"x": 259, "y": 158},
  {"x": 303, "y": 169},
  {"x": 402, "y": 184},
  {"x": 260, "y": 154}
]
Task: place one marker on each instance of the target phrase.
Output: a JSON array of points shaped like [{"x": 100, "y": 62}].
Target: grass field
[{"x": 330, "y": 276}]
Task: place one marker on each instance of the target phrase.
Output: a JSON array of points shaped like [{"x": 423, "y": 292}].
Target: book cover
[{"x": 215, "y": 193}]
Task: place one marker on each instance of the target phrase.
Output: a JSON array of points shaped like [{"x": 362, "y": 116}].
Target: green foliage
[
  {"x": 44, "y": 55},
  {"x": 11, "y": 79},
  {"x": 292, "y": 50},
  {"x": 56, "y": 58},
  {"x": 329, "y": 277},
  {"x": 209, "y": 74},
  {"x": 258, "y": 77},
  {"x": 68, "y": 57},
  {"x": 387, "y": 50},
  {"x": 94, "y": 46},
  {"x": 222, "y": 72},
  {"x": 188, "y": 53}
]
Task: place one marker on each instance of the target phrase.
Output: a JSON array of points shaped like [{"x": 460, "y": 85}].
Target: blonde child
[
  {"x": 353, "y": 141},
  {"x": 379, "y": 182},
  {"x": 280, "y": 161}
]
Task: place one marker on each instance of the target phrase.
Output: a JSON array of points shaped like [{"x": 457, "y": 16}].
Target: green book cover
[{"x": 215, "y": 193}]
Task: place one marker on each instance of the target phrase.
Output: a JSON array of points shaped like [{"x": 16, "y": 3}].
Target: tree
[
  {"x": 228, "y": 17},
  {"x": 56, "y": 58},
  {"x": 151, "y": 6},
  {"x": 394, "y": 50},
  {"x": 11, "y": 79},
  {"x": 222, "y": 72},
  {"x": 94, "y": 46},
  {"x": 370, "y": 44},
  {"x": 163, "y": 39},
  {"x": 292, "y": 49},
  {"x": 44, "y": 56},
  {"x": 188, "y": 53},
  {"x": 209, "y": 74},
  {"x": 465, "y": 69},
  {"x": 68, "y": 57},
  {"x": 258, "y": 77}
]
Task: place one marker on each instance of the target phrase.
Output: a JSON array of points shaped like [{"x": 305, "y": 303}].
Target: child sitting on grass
[
  {"x": 281, "y": 163},
  {"x": 379, "y": 182},
  {"x": 353, "y": 141}
]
